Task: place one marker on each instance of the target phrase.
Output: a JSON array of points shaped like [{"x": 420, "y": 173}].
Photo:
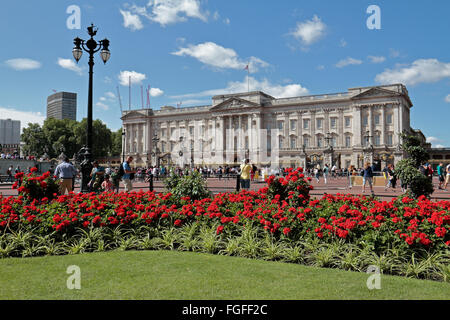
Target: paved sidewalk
[{"x": 334, "y": 186}]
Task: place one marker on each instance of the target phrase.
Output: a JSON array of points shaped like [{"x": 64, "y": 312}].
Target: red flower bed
[{"x": 401, "y": 222}]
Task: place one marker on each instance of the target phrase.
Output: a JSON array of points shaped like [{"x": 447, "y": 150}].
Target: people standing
[
  {"x": 65, "y": 172},
  {"x": 325, "y": 173},
  {"x": 441, "y": 175},
  {"x": 245, "y": 174},
  {"x": 126, "y": 178},
  {"x": 107, "y": 185},
  {"x": 97, "y": 176},
  {"x": 350, "y": 171},
  {"x": 316, "y": 173},
  {"x": 447, "y": 178},
  {"x": 10, "y": 175},
  {"x": 391, "y": 176},
  {"x": 367, "y": 177},
  {"x": 115, "y": 179}
]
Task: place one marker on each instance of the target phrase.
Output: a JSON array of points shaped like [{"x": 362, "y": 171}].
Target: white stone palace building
[{"x": 349, "y": 128}]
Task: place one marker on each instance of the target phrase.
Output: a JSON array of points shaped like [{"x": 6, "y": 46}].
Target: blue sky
[{"x": 189, "y": 50}]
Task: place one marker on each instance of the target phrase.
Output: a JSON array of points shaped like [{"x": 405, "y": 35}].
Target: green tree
[
  {"x": 34, "y": 139},
  {"x": 116, "y": 149},
  {"x": 101, "y": 137},
  {"x": 59, "y": 137},
  {"x": 408, "y": 169}
]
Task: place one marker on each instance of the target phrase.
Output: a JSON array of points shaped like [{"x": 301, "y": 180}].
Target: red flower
[
  {"x": 286, "y": 231},
  {"x": 440, "y": 231},
  {"x": 219, "y": 229},
  {"x": 177, "y": 222}
]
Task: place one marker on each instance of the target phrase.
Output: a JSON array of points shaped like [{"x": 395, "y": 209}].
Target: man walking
[
  {"x": 447, "y": 178},
  {"x": 65, "y": 172},
  {"x": 367, "y": 177},
  {"x": 245, "y": 175},
  {"x": 441, "y": 175},
  {"x": 126, "y": 178}
]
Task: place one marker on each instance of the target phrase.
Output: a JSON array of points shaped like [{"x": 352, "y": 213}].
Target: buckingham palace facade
[{"x": 349, "y": 128}]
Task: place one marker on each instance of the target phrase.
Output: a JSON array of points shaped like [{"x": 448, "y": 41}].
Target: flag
[{"x": 246, "y": 67}]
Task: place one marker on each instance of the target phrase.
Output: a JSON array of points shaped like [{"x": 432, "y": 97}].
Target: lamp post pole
[{"x": 90, "y": 46}]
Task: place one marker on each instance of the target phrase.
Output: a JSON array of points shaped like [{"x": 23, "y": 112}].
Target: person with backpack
[
  {"x": 367, "y": 177},
  {"x": 126, "y": 174},
  {"x": 115, "y": 179}
]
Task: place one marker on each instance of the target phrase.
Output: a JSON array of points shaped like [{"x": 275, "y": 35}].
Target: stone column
[
  {"x": 396, "y": 119},
  {"x": 371, "y": 131},
  {"x": 383, "y": 126},
  {"x": 356, "y": 127},
  {"x": 340, "y": 128}
]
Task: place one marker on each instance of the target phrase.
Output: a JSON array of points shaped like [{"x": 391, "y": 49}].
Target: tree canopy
[{"x": 69, "y": 136}]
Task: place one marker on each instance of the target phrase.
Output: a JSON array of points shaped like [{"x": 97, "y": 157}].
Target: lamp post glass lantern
[{"x": 91, "y": 46}]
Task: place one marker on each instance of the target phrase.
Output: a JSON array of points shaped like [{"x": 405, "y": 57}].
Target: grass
[{"x": 173, "y": 275}]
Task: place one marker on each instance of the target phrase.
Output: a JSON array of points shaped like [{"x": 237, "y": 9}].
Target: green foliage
[
  {"x": 192, "y": 186},
  {"x": 407, "y": 169},
  {"x": 69, "y": 136}
]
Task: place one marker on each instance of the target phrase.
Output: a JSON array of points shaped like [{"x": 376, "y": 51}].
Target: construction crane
[
  {"x": 142, "y": 96},
  {"x": 120, "y": 100}
]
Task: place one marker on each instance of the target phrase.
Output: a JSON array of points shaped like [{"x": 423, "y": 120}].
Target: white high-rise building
[{"x": 9, "y": 135}]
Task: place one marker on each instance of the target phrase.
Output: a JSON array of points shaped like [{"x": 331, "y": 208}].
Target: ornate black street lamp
[
  {"x": 90, "y": 46},
  {"x": 123, "y": 145}
]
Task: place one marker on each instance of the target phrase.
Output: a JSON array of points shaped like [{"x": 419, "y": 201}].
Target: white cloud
[
  {"x": 21, "y": 64},
  {"x": 167, "y": 12},
  {"x": 420, "y": 71},
  {"x": 277, "y": 91},
  {"x": 436, "y": 142},
  {"x": 156, "y": 92},
  {"x": 216, "y": 16},
  {"x": 131, "y": 21},
  {"x": 101, "y": 105},
  {"x": 110, "y": 95},
  {"x": 226, "y": 21},
  {"x": 447, "y": 98},
  {"x": 69, "y": 64},
  {"x": 24, "y": 117},
  {"x": 348, "y": 61},
  {"x": 376, "y": 59},
  {"x": 343, "y": 43},
  {"x": 433, "y": 140},
  {"x": 321, "y": 67},
  {"x": 217, "y": 56},
  {"x": 310, "y": 31},
  {"x": 136, "y": 77}
]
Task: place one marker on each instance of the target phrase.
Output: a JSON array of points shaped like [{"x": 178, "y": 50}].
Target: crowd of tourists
[{"x": 109, "y": 179}]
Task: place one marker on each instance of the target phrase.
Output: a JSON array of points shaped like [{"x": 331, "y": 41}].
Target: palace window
[
  {"x": 319, "y": 142},
  {"x": 293, "y": 142},
  {"x": 305, "y": 123},
  {"x": 389, "y": 118},
  {"x": 280, "y": 142},
  {"x": 348, "y": 141},
  {"x": 390, "y": 139},
  {"x": 365, "y": 120},
  {"x": 306, "y": 141},
  {"x": 348, "y": 121},
  {"x": 333, "y": 123},
  {"x": 377, "y": 139},
  {"x": 293, "y": 125},
  {"x": 269, "y": 143},
  {"x": 319, "y": 123},
  {"x": 163, "y": 147},
  {"x": 280, "y": 125},
  {"x": 333, "y": 141},
  {"x": 191, "y": 131},
  {"x": 377, "y": 119}
]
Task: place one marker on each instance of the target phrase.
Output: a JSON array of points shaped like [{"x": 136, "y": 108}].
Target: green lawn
[{"x": 182, "y": 275}]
